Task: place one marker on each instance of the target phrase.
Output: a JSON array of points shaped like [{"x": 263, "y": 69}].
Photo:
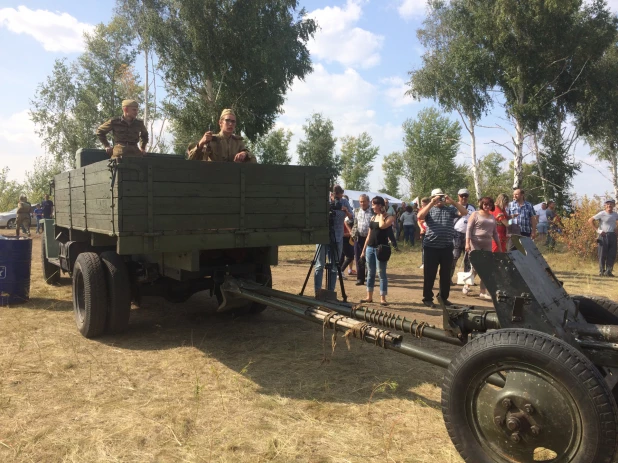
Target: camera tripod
[{"x": 331, "y": 258}]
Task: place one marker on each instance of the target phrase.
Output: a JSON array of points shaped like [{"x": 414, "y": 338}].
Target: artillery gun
[{"x": 535, "y": 378}]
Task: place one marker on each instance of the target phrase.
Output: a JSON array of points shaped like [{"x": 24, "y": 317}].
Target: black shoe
[
  {"x": 447, "y": 303},
  {"x": 601, "y": 274},
  {"x": 429, "y": 304},
  {"x": 609, "y": 274},
  {"x": 360, "y": 283}
]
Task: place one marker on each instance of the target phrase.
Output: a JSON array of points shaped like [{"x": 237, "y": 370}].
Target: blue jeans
[
  {"x": 371, "y": 254},
  {"x": 408, "y": 234},
  {"x": 319, "y": 267}
]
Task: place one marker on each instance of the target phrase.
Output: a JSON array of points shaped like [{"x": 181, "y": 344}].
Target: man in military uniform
[
  {"x": 23, "y": 215},
  {"x": 223, "y": 147},
  {"x": 127, "y": 131}
]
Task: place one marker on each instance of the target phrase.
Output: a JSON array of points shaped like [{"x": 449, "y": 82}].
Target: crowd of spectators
[{"x": 448, "y": 230}]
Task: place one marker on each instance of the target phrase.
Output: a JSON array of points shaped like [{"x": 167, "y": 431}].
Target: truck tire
[
  {"x": 118, "y": 292},
  {"x": 89, "y": 295},
  {"x": 51, "y": 273},
  {"x": 597, "y": 310},
  {"x": 554, "y": 401}
]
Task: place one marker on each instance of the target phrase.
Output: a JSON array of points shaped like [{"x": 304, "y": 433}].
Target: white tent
[{"x": 355, "y": 195}]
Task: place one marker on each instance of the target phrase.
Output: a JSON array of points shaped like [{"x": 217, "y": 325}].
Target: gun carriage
[{"x": 535, "y": 378}]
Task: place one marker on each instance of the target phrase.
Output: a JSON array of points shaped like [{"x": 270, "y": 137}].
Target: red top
[{"x": 499, "y": 215}]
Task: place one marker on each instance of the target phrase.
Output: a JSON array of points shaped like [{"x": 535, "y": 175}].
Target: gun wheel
[{"x": 554, "y": 405}]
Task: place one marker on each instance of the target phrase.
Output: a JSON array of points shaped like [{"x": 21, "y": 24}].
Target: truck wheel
[
  {"x": 598, "y": 310},
  {"x": 89, "y": 294},
  {"x": 51, "y": 273},
  {"x": 554, "y": 406},
  {"x": 118, "y": 292}
]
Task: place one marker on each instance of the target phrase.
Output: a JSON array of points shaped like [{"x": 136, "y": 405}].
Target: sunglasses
[{"x": 464, "y": 196}]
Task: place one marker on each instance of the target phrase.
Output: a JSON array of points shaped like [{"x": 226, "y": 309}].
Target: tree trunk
[
  {"x": 615, "y": 174},
  {"x": 535, "y": 142},
  {"x": 475, "y": 166},
  {"x": 518, "y": 161},
  {"x": 146, "y": 91}
]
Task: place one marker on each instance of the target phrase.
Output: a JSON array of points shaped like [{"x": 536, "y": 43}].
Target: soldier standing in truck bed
[
  {"x": 127, "y": 131},
  {"x": 223, "y": 147}
]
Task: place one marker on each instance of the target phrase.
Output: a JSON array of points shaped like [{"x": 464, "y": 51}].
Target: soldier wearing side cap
[
  {"x": 224, "y": 146},
  {"x": 127, "y": 131}
]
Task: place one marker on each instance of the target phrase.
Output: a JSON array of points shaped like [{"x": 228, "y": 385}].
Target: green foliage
[
  {"x": 431, "y": 144},
  {"x": 77, "y": 97},
  {"x": 318, "y": 146},
  {"x": 218, "y": 54},
  {"x": 9, "y": 191},
  {"x": 39, "y": 179},
  {"x": 392, "y": 166},
  {"x": 357, "y": 156},
  {"x": 456, "y": 73},
  {"x": 273, "y": 147}
]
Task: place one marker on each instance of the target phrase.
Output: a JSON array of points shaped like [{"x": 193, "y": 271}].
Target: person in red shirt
[{"x": 500, "y": 215}]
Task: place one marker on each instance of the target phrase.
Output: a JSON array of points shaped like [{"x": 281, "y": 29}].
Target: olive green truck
[{"x": 165, "y": 226}]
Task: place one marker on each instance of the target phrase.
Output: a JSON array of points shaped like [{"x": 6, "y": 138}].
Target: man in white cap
[
  {"x": 607, "y": 237},
  {"x": 461, "y": 227},
  {"x": 438, "y": 215}
]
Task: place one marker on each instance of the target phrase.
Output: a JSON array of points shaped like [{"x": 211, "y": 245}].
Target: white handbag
[{"x": 465, "y": 278}]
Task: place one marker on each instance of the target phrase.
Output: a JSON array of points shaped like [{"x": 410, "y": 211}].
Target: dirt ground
[{"x": 187, "y": 385}]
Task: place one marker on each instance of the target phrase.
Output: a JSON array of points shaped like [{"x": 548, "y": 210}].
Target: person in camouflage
[
  {"x": 23, "y": 215},
  {"x": 224, "y": 146},
  {"x": 127, "y": 131}
]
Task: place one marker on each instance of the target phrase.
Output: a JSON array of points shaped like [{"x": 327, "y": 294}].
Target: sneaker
[
  {"x": 429, "y": 304},
  {"x": 421, "y": 266},
  {"x": 485, "y": 297},
  {"x": 465, "y": 289}
]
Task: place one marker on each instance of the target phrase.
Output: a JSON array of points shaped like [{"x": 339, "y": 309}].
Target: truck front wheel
[{"x": 89, "y": 295}]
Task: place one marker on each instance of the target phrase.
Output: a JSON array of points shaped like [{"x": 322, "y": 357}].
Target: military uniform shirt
[
  {"x": 222, "y": 148},
  {"x": 123, "y": 132}
]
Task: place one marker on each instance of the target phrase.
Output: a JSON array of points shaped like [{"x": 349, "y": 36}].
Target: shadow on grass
[{"x": 282, "y": 354}]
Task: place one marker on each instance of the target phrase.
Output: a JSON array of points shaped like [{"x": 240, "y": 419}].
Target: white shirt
[
  {"x": 461, "y": 223},
  {"x": 542, "y": 214}
]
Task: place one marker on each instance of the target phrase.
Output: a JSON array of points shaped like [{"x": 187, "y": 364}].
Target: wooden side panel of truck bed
[{"x": 156, "y": 204}]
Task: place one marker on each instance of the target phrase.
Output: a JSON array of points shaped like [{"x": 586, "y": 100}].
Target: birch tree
[{"x": 455, "y": 73}]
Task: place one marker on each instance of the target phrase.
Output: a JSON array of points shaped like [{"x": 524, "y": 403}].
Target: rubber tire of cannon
[
  {"x": 598, "y": 310},
  {"x": 89, "y": 294},
  {"x": 118, "y": 292},
  {"x": 563, "y": 363},
  {"x": 51, "y": 273}
]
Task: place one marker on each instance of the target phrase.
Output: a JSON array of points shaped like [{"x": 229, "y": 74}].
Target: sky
[{"x": 361, "y": 57}]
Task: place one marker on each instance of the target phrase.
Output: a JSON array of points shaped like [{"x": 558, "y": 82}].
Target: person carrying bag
[{"x": 376, "y": 251}]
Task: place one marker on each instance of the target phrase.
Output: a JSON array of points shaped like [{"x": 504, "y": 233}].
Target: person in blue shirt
[
  {"x": 340, "y": 216},
  {"x": 38, "y": 214}
]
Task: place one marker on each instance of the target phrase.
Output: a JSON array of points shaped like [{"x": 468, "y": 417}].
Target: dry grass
[{"x": 185, "y": 385}]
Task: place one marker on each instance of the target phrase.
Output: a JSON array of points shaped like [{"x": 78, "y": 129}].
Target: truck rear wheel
[
  {"x": 89, "y": 294},
  {"x": 118, "y": 292},
  {"x": 51, "y": 273},
  {"x": 554, "y": 405}
]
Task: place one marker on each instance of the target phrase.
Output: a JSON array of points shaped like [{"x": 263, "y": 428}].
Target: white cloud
[
  {"x": 57, "y": 32},
  {"x": 20, "y": 145},
  {"x": 395, "y": 91},
  {"x": 337, "y": 39},
  {"x": 409, "y": 9}
]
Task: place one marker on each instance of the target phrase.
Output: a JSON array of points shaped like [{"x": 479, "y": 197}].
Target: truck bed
[{"x": 163, "y": 203}]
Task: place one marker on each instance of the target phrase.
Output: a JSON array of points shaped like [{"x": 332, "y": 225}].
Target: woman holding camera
[{"x": 376, "y": 250}]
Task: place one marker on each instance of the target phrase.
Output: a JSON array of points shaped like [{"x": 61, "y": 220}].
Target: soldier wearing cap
[
  {"x": 127, "y": 131},
  {"x": 223, "y": 147}
]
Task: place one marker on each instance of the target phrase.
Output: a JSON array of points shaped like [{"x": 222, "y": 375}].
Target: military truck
[{"x": 162, "y": 225}]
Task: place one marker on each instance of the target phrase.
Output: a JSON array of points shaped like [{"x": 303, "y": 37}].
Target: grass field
[{"x": 187, "y": 385}]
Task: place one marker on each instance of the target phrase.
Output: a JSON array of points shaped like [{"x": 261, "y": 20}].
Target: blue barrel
[{"x": 15, "y": 259}]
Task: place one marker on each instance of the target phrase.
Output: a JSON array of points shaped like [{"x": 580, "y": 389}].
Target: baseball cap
[
  {"x": 463, "y": 191},
  {"x": 436, "y": 192},
  {"x": 610, "y": 200}
]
